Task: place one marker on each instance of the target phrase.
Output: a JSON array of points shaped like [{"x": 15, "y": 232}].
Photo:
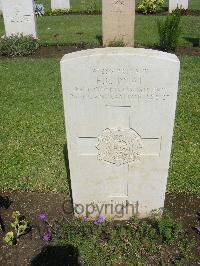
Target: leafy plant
[
  {"x": 58, "y": 12},
  {"x": 168, "y": 228},
  {"x": 149, "y": 6},
  {"x": 146, "y": 242},
  {"x": 20, "y": 226},
  {"x": 9, "y": 238},
  {"x": 18, "y": 45},
  {"x": 39, "y": 10},
  {"x": 169, "y": 31}
]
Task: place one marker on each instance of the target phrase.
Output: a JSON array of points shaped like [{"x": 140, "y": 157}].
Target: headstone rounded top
[
  {"x": 119, "y": 105},
  {"x": 123, "y": 51},
  {"x": 19, "y": 17}
]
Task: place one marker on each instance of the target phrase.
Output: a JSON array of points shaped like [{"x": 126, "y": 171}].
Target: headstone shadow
[
  {"x": 65, "y": 153},
  {"x": 99, "y": 38},
  {"x": 57, "y": 256},
  {"x": 5, "y": 203}
]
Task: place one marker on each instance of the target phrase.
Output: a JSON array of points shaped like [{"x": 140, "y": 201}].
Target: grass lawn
[
  {"x": 79, "y": 4},
  {"x": 76, "y": 29},
  {"x": 32, "y": 127}
]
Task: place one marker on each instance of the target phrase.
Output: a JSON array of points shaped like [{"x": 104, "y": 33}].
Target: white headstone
[
  {"x": 60, "y": 4},
  {"x": 173, "y": 4},
  {"x": 0, "y": 7},
  {"x": 19, "y": 17},
  {"x": 119, "y": 106},
  {"x": 118, "y": 18}
]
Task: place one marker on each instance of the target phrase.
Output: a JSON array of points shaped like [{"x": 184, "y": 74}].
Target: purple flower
[
  {"x": 47, "y": 236},
  {"x": 98, "y": 220},
  {"x": 85, "y": 218},
  {"x": 42, "y": 216},
  {"x": 197, "y": 228}
]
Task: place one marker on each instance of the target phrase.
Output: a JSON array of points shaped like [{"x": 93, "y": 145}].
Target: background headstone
[
  {"x": 19, "y": 17},
  {"x": 180, "y": 3},
  {"x": 119, "y": 106},
  {"x": 118, "y": 21},
  {"x": 0, "y": 7},
  {"x": 60, "y": 4}
]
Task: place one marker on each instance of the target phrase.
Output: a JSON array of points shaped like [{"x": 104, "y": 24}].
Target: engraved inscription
[
  {"x": 119, "y": 146},
  {"x": 118, "y": 6},
  {"x": 124, "y": 93},
  {"x": 19, "y": 16},
  {"x": 121, "y": 84},
  {"x": 120, "y": 2}
]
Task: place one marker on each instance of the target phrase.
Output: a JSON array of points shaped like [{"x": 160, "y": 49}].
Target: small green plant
[
  {"x": 168, "y": 228},
  {"x": 20, "y": 226},
  {"x": 58, "y": 12},
  {"x": 116, "y": 43},
  {"x": 169, "y": 31},
  {"x": 9, "y": 238},
  {"x": 18, "y": 45},
  {"x": 149, "y": 6}
]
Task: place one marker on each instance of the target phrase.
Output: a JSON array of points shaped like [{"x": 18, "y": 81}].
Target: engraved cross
[
  {"x": 119, "y": 145},
  {"x": 118, "y": 117}
]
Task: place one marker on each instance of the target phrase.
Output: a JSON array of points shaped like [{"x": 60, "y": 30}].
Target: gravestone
[
  {"x": 0, "y": 7},
  {"x": 60, "y": 4},
  {"x": 173, "y": 4},
  {"x": 19, "y": 17},
  {"x": 119, "y": 106},
  {"x": 118, "y": 21}
]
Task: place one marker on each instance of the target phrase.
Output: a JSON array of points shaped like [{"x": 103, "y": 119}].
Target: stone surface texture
[
  {"x": 118, "y": 21},
  {"x": 0, "y": 7},
  {"x": 19, "y": 17},
  {"x": 60, "y": 4},
  {"x": 173, "y": 4},
  {"x": 119, "y": 106}
]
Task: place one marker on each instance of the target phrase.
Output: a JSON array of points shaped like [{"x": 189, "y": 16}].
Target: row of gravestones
[
  {"x": 19, "y": 16},
  {"x": 55, "y": 4},
  {"x": 119, "y": 138}
]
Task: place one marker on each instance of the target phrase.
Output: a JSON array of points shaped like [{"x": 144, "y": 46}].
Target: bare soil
[
  {"x": 33, "y": 250},
  {"x": 161, "y": 13},
  {"x": 58, "y": 51}
]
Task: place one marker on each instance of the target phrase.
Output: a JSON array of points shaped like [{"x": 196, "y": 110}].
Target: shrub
[
  {"x": 39, "y": 10},
  {"x": 18, "y": 45},
  {"x": 58, "y": 12},
  {"x": 149, "y": 6},
  {"x": 89, "y": 6},
  {"x": 169, "y": 31}
]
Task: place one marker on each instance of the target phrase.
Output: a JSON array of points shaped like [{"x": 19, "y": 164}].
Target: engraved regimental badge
[{"x": 119, "y": 146}]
